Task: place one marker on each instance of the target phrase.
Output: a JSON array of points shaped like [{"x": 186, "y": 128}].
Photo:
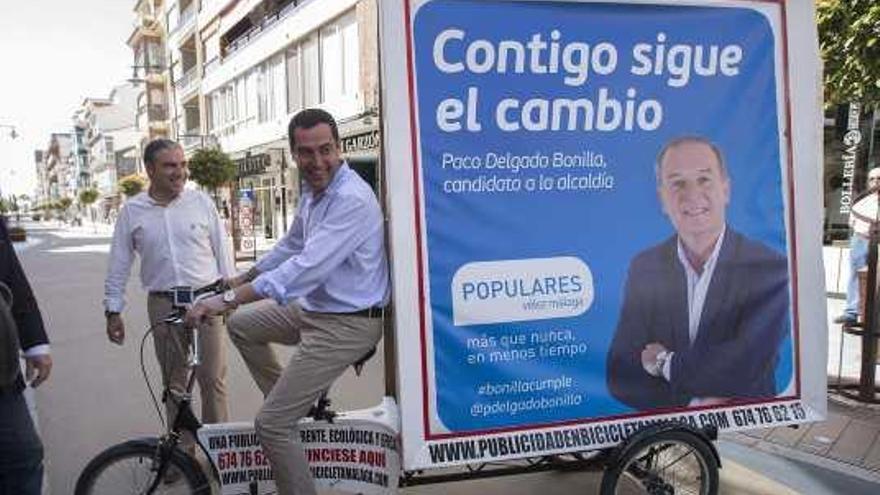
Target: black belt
[{"x": 374, "y": 312}]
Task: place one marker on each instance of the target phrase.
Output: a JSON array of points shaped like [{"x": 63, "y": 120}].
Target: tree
[
  {"x": 88, "y": 196},
  {"x": 62, "y": 205},
  {"x": 132, "y": 185},
  {"x": 211, "y": 168},
  {"x": 849, "y": 39}
]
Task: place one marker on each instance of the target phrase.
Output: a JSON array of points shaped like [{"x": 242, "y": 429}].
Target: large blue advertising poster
[{"x": 605, "y": 225}]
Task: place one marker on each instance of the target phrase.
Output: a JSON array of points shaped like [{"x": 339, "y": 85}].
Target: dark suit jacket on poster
[{"x": 744, "y": 320}]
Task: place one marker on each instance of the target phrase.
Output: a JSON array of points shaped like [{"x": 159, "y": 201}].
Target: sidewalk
[{"x": 848, "y": 441}]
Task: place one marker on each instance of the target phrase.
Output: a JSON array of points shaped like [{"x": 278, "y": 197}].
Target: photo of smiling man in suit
[{"x": 705, "y": 311}]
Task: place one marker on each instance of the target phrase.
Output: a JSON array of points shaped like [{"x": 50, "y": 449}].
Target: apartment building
[
  {"x": 148, "y": 44},
  {"x": 109, "y": 136},
  {"x": 184, "y": 67},
  {"x": 41, "y": 193},
  {"x": 264, "y": 60},
  {"x": 58, "y": 167}
]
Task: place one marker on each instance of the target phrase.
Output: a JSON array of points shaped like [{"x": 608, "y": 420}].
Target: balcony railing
[
  {"x": 192, "y": 140},
  {"x": 187, "y": 80},
  {"x": 210, "y": 65},
  {"x": 262, "y": 26}
]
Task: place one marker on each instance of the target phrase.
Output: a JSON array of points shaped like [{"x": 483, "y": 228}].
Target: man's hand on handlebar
[{"x": 204, "y": 308}]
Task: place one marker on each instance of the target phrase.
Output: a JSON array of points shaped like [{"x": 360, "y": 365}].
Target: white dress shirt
[
  {"x": 332, "y": 260},
  {"x": 698, "y": 287},
  {"x": 181, "y": 244}
]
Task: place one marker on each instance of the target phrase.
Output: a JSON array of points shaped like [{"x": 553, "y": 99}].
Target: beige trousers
[
  {"x": 171, "y": 345},
  {"x": 327, "y": 344}
]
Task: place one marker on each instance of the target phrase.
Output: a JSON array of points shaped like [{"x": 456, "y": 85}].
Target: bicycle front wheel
[
  {"x": 132, "y": 468},
  {"x": 666, "y": 463}
]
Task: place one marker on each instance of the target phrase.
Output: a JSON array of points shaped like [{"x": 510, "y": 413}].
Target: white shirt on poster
[{"x": 697, "y": 288}]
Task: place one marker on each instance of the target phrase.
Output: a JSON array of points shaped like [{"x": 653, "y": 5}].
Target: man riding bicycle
[{"x": 322, "y": 287}]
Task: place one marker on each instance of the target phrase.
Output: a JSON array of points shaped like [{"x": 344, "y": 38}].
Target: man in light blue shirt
[{"x": 323, "y": 288}]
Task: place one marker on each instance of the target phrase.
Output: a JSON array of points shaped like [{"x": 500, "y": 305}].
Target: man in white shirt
[
  {"x": 705, "y": 311},
  {"x": 326, "y": 283},
  {"x": 862, "y": 215},
  {"x": 179, "y": 237}
]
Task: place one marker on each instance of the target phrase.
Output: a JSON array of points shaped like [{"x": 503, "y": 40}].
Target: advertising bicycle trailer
[
  {"x": 549, "y": 166},
  {"x": 604, "y": 236}
]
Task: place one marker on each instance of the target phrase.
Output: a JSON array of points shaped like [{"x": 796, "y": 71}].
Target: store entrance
[{"x": 264, "y": 205}]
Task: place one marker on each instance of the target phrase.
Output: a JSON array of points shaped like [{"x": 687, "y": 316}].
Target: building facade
[
  {"x": 148, "y": 44},
  {"x": 239, "y": 69},
  {"x": 109, "y": 133},
  {"x": 265, "y": 61}
]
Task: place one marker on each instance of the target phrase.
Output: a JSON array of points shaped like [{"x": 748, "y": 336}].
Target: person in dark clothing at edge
[{"x": 21, "y": 451}]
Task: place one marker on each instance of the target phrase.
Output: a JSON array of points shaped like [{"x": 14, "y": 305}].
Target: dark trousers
[{"x": 21, "y": 452}]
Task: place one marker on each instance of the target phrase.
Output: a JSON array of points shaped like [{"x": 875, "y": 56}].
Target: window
[
  {"x": 262, "y": 110},
  {"x": 340, "y": 64},
  {"x": 210, "y": 51},
  {"x": 351, "y": 60},
  {"x": 294, "y": 82},
  {"x": 251, "y": 84},
  {"x": 331, "y": 63},
  {"x": 241, "y": 101},
  {"x": 311, "y": 74},
  {"x": 277, "y": 91}
]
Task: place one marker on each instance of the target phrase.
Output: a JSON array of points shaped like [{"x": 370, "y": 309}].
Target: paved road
[{"x": 96, "y": 396}]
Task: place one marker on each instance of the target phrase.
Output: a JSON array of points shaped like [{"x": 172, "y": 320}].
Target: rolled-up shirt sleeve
[
  {"x": 329, "y": 244},
  {"x": 119, "y": 266}
]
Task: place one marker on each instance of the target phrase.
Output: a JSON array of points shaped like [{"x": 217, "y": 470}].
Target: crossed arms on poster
[{"x": 704, "y": 312}]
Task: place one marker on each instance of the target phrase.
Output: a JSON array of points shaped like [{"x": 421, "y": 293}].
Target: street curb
[{"x": 797, "y": 455}]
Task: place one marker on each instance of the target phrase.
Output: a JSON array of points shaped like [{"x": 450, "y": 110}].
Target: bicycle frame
[{"x": 354, "y": 452}]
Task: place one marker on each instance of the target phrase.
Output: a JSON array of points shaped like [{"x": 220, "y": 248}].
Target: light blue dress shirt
[{"x": 332, "y": 260}]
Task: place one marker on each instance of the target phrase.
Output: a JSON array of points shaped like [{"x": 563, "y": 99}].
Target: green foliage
[
  {"x": 88, "y": 196},
  {"x": 132, "y": 185},
  {"x": 63, "y": 204},
  {"x": 849, "y": 39},
  {"x": 211, "y": 168}
]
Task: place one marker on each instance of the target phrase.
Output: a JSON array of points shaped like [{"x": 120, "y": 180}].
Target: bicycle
[{"x": 358, "y": 452}]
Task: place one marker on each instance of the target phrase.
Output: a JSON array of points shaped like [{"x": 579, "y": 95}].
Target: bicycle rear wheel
[
  {"x": 666, "y": 463},
  {"x": 132, "y": 468}
]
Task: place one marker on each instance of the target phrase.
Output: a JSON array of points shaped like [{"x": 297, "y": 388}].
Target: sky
[{"x": 53, "y": 54}]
